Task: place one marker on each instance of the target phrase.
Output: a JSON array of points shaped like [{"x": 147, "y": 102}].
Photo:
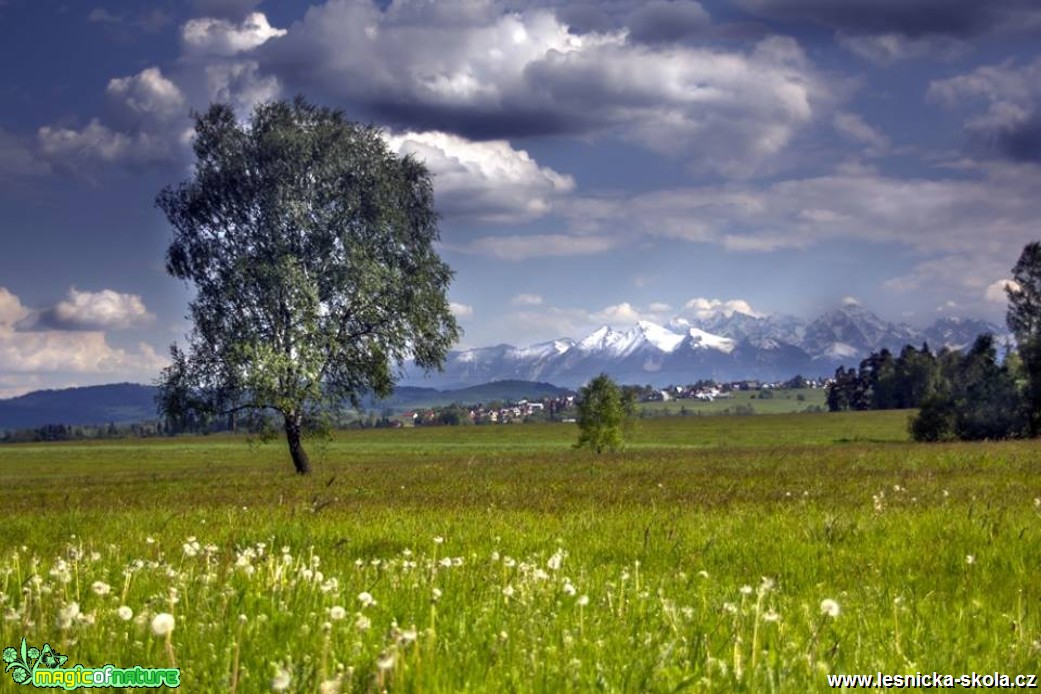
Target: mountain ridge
[{"x": 731, "y": 346}]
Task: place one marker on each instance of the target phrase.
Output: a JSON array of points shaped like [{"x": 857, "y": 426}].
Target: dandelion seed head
[
  {"x": 100, "y": 588},
  {"x": 125, "y": 613},
  {"x": 830, "y": 607},
  {"x": 280, "y": 682},
  {"x": 337, "y": 612},
  {"x": 163, "y": 624}
]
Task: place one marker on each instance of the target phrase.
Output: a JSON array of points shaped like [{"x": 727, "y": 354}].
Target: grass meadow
[{"x": 713, "y": 554}]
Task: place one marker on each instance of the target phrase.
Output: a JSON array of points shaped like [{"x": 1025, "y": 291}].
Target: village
[{"x": 562, "y": 408}]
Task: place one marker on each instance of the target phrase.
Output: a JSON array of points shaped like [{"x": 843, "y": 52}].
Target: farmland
[{"x": 714, "y": 553}]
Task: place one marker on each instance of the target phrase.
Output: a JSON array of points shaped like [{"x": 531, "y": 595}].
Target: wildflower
[
  {"x": 280, "y": 682},
  {"x": 435, "y": 594},
  {"x": 67, "y": 614},
  {"x": 746, "y": 590},
  {"x": 125, "y": 613},
  {"x": 583, "y": 600},
  {"x": 766, "y": 586},
  {"x": 365, "y": 598},
  {"x": 163, "y": 624},
  {"x": 445, "y": 562},
  {"x": 556, "y": 560},
  {"x": 439, "y": 540},
  {"x": 730, "y": 607},
  {"x": 770, "y": 616},
  {"x": 970, "y": 559},
  {"x": 830, "y": 607},
  {"x": 409, "y": 635},
  {"x": 101, "y": 588},
  {"x": 329, "y": 687},
  {"x": 569, "y": 588},
  {"x": 385, "y": 661},
  {"x": 362, "y": 623},
  {"x": 337, "y": 613},
  {"x": 508, "y": 591}
]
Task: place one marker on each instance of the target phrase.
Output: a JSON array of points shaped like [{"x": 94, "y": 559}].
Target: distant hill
[
  {"x": 124, "y": 403},
  {"x": 120, "y": 403}
]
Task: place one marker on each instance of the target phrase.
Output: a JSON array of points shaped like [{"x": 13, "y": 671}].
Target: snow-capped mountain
[{"x": 723, "y": 347}]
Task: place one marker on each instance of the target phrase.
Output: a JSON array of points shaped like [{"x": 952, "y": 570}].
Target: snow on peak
[
  {"x": 664, "y": 339},
  {"x": 701, "y": 339}
]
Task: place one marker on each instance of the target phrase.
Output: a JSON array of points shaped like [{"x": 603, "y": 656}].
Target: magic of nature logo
[{"x": 44, "y": 667}]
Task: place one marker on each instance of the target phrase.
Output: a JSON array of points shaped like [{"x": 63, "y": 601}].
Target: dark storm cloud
[
  {"x": 1018, "y": 140},
  {"x": 910, "y": 18}
]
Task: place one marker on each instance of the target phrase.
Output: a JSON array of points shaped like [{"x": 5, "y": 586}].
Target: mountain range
[{"x": 723, "y": 347}]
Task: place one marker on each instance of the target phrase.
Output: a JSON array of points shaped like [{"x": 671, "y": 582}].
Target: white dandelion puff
[
  {"x": 125, "y": 613},
  {"x": 336, "y": 613},
  {"x": 163, "y": 623},
  {"x": 830, "y": 607},
  {"x": 365, "y": 598}
]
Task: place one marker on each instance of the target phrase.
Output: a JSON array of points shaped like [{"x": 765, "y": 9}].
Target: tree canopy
[
  {"x": 310, "y": 247},
  {"x": 1024, "y": 320},
  {"x": 604, "y": 412}
]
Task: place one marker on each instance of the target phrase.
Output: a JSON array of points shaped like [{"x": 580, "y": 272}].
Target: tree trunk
[{"x": 296, "y": 448}]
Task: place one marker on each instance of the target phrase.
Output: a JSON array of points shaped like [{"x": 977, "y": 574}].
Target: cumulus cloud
[
  {"x": 221, "y": 37},
  {"x": 703, "y": 309},
  {"x": 149, "y": 115},
  {"x": 1011, "y": 125},
  {"x": 35, "y": 350},
  {"x": 996, "y": 291},
  {"x": 472, "y": 69},
  {"x": 104, "y": 310},
  {"x": 489, "y": 181},
  {"x": 461, "y": 310}
]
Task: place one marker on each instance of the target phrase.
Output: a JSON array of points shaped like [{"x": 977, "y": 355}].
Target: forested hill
[{"x": 124, "y": 403}]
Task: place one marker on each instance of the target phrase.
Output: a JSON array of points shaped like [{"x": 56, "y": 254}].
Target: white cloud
[
  {"x": 150, "y": 115},
  {"x": 489, "y": 181},
  {"x": 526, "y": 300},
  {"x": 619, "y": 314},
  {"x": 703, "y": 308},
  {"x": 473, "y": 69},
  {"x": 659, "y": 307},
  {"x": 147, "y": 94},
  {"x": 36, "y": 351},
  {"x": 850, "y": 301},
  {"x": 220, "y": 37},
  {"x": 102, "y": 310},
  {"x": 995, "y": 291},
  {"x": 73, "y": 149},
  {"x": 461, "y": 310},
  {"x": 519, "y": 247}
]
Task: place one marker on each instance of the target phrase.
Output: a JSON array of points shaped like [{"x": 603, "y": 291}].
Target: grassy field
[
  {"x": 714, "y": 554},
  {"x": 783, "y": 401}
]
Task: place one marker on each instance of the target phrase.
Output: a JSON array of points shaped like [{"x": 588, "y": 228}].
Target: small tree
[
  {"x": 1024, "y": 320},
  {"x": 310, "y": 247},
  {"x": 604, "y": 413}
]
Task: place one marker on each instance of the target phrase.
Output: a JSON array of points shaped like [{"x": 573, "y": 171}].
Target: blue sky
[{"x": 594, "y": 162}]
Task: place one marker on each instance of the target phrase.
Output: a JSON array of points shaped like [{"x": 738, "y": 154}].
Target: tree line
[{"x": 971, "y": 395}]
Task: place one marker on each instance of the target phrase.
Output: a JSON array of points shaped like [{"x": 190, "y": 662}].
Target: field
[
  {"x": 782, "y": 401},
  {"x": 714, "y": 554}
]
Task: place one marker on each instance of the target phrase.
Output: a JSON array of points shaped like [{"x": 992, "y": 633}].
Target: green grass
[
  {"x": 784, "y": 401},
  {"x": 696, "y": 559}
]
